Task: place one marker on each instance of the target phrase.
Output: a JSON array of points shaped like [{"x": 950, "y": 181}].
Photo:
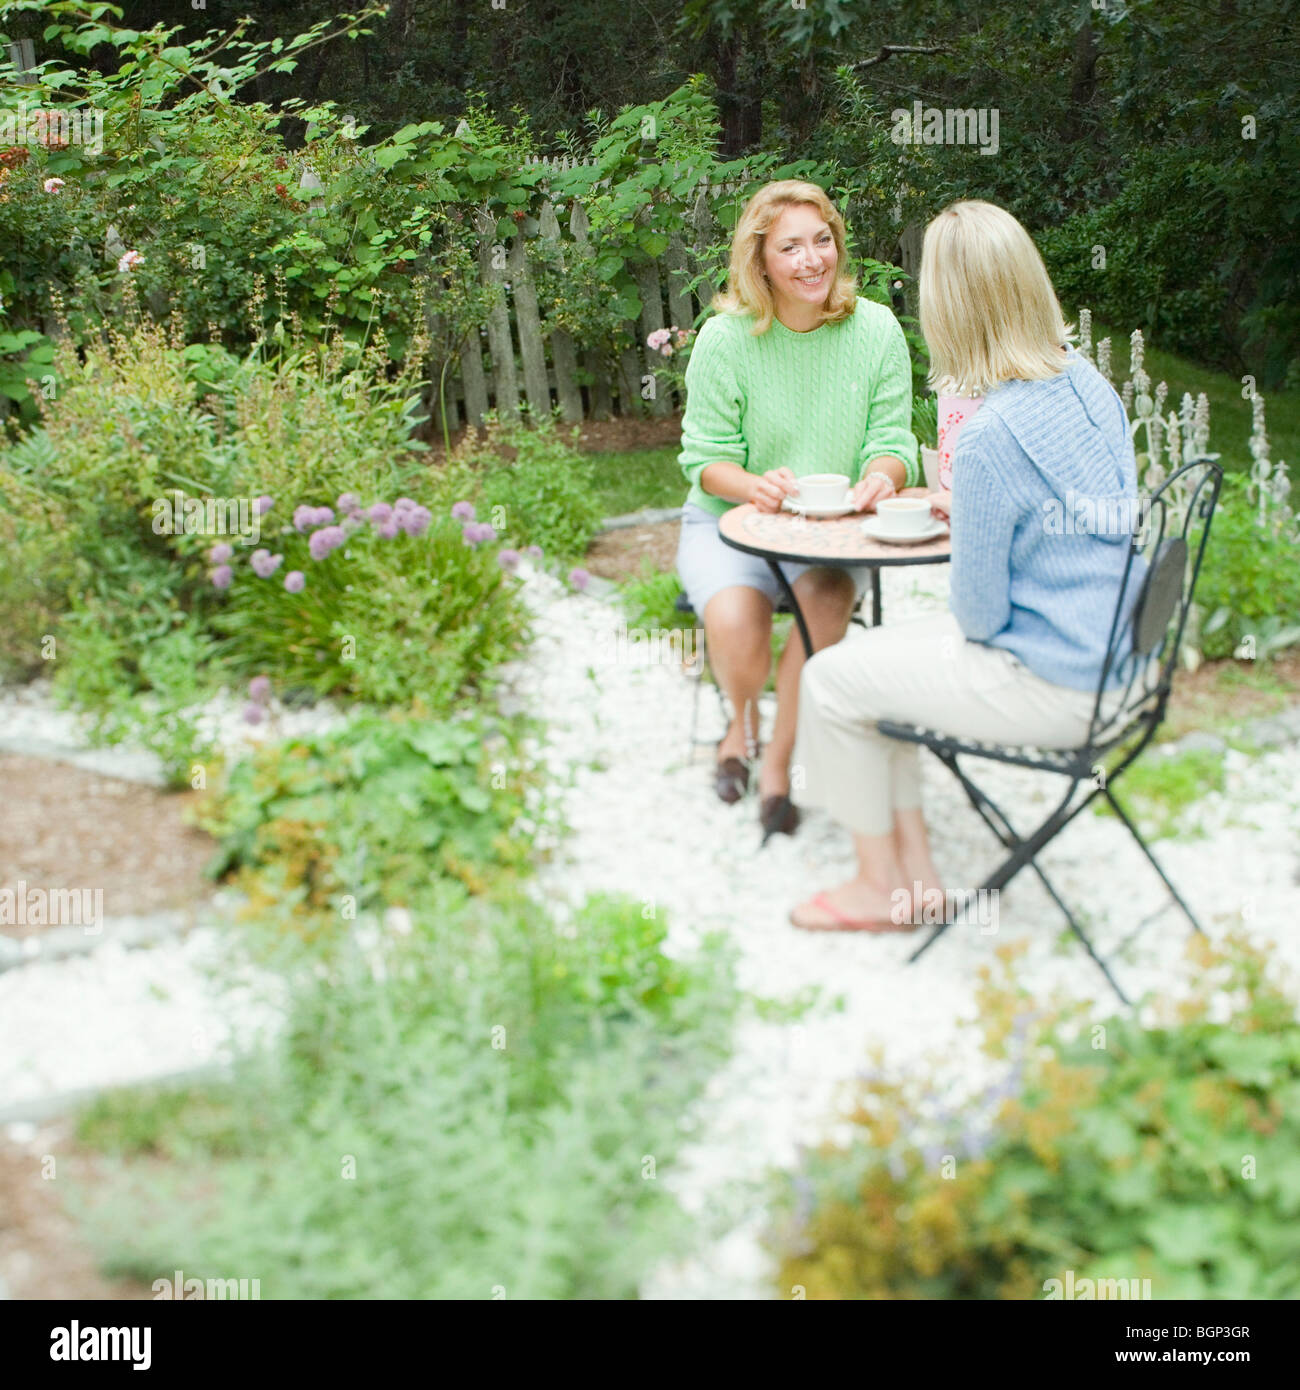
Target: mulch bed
[
  {"x": 1202, "y": 697},
  {"x": 64, "y": 827},
  {"x": 620, "y": 554}
]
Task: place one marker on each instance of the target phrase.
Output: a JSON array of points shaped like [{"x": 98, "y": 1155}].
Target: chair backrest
[{"x": 1155, "y": 597}]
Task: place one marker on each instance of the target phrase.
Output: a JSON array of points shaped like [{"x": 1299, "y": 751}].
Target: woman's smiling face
[{"x": 799, "y": 256}]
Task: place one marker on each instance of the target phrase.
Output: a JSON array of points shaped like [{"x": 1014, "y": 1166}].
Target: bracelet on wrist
[{"x": 876, "y": 473}]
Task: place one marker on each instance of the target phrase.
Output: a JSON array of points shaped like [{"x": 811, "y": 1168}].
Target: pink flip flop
[{"x": 846, "y": 923}]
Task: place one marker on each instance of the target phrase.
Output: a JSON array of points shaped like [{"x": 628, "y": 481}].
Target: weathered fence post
[
  {"x": 492, "y": 269},
  {"x": 563, "y": 353},
  {"x": 473, "y": 377},
  {"x": 601, "y": 404},
  {"x": 681, "y": 310},
  {"x": 652, "y": 320},
  {"x": 909, "y": 255},
  {"x": 529, "y": 322}
]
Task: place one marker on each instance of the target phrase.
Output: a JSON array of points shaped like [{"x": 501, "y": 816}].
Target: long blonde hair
[
  {"x": 748, "y": 290},
  {"x": 989, "y": 313}
]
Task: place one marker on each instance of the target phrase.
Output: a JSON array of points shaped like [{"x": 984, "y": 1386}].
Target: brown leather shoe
[
  {"x": 731, "y": 779},
  {"x": 778, "y": 815}
]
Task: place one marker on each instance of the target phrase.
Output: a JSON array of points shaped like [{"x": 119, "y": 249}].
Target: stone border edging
[
  {"x": 127, "y": 765},
  {"x": 63, "y": 943},
  {"x": 650, "y": 516}
]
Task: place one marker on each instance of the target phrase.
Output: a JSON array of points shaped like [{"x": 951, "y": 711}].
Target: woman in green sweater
[{"x": 795, "y": 374}]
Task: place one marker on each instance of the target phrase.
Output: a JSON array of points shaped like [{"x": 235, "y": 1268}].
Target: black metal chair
[{"x": 1160, "y": 573}]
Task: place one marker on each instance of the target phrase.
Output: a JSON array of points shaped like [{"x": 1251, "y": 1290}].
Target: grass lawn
[{"x": 629, "y": 481}]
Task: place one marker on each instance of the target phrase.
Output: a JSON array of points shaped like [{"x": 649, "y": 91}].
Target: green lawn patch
[{"x": 639, "y": 478}]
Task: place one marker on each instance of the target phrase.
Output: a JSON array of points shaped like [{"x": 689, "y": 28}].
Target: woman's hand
[
  {"x": 873, "y": 488},
  {"x": 772, "y": 488},
  {"x": 941, "y": 504}
]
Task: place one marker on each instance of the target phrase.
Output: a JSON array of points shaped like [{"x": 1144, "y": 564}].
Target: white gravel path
[
  {"x": 646, "y": 823},
  {"x": 117, "y": 1016}
]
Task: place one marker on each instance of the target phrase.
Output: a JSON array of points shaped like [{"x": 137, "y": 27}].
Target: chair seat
[{"x": 1070, "y": 762}]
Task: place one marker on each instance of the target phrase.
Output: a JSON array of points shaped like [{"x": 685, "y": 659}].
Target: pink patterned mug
[{"x": 954, "y": 411}]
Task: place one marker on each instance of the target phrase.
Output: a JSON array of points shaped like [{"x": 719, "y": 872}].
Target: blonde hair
[
  {"x": 989, "y": 313},
  {"x": 748, "y": 290}
]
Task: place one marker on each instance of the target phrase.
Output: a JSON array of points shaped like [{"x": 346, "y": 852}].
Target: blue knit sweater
[{"x": 1044, "y": 503}]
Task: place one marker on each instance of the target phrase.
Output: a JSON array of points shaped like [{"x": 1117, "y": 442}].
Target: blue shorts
[{"x": 706, "y": 563}]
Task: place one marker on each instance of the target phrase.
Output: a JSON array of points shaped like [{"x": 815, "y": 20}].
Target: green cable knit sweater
[{"x": 828, "y": 401}]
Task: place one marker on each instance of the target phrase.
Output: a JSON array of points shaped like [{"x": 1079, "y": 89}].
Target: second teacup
[{"x": 904, "y": 516}]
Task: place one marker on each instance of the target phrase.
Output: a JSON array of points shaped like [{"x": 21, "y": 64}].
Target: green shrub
[
  {"x": 485, "y": 1103},
  {"x": 533, "y": 486},
  {"x": 1249, "y": 585},
  {"x": 176, "y": 672},
  {"x": 144, "y": 421},
  {"x": 381, "y": 620},
  {"x": 1115, "y": 1150},
  {"x": 318, "y": 829}
]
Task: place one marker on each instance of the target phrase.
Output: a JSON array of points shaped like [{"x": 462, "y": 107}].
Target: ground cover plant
[
  {"x": 1157, "y": 1151},
  {"x": 488, "y": 1102}
]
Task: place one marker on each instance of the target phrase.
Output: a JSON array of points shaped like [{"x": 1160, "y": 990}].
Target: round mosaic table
[{"x": 778, "y": 536}]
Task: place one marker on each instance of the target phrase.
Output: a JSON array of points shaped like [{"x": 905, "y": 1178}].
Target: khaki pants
[{"x": 922, "y": 672}]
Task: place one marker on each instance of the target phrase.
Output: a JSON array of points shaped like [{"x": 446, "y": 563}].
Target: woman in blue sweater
[{"x": 1042, "y": 508}]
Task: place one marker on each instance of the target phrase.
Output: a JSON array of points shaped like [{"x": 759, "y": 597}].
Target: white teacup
[
  {"x": 904, "y": 516},
  {"x": 823, "y": 490}
]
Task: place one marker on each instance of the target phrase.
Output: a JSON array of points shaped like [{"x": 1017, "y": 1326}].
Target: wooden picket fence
[{"x": 517, "y": 357}]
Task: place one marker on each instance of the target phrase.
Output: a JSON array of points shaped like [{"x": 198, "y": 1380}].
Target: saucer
[
  {"x": 872, "y": 527},
  {"x": 819, "y": 513}
]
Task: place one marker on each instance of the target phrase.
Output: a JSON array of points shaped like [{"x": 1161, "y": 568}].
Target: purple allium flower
[
  {"x": 326, "y": 539},
  {"x": 219, "y": 554},
  {"x": 579, "y": 578},
  {"x": 349, "y": 502},
  {"x": 253, "y": 714},
  {"x": 323, "y": 516},
  {"x": 380, "y": 513},
  {"x": 221, "y": 577},
  {"x": 265, "y": 564},
  {"x": 508, "y": 560},
  {"x": 293, "y": 581},
  {"x": 404, "y": 504},
  {"x": 463, "y": 511},
  {"x": 415, "y": 521},
  {"x": 304, "y": 517},
  {"x": 478, "y": 531},
  {"x": 386, "y": 530},
  {"x": 264, "y": 504},
  {"x": 259, "y": 689},
  {"x": 534, "y": 552}
]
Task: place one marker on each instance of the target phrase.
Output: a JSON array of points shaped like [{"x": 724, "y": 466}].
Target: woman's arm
[
  {"x": 983, "y": 524},
  {"x": 713, "y": 442},
  {"x": 890, "y": 446}
]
